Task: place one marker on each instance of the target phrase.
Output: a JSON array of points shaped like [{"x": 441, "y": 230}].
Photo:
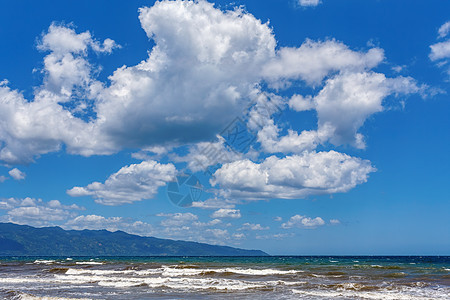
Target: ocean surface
[{"x": 274, "y": 277}]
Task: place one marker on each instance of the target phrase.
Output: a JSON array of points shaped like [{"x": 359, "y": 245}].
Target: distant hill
[{"x": 23, "y": 240}]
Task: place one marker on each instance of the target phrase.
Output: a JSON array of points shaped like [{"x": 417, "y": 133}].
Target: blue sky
[{"x": 307, "y": 127}]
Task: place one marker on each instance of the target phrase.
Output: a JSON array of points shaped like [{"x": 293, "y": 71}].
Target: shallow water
[{"x": 225, "y": 277}]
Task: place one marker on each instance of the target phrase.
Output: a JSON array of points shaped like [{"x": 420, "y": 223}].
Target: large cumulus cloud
[{"x": 206, "y": 67}]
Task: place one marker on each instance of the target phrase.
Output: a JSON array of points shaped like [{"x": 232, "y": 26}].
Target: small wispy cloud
[
  {"x": 303, "y": 222},
  {"x": 440, "y": 52},
  {"x": 17, "y": 174},
  {"x": 309, "y": 3},
  {"x": 227, "y": 213}
]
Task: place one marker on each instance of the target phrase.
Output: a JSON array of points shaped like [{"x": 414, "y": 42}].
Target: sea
[{"x": 269, "y": 277}]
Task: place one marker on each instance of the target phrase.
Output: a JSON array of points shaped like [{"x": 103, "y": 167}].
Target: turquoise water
[{"x": 274, "y": 277}]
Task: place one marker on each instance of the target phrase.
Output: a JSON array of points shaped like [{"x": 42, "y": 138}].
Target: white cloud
[
  {"x": 251, "y": 226},
  {"x": 210, "y": 223},
  {"x": 36, "y": 212},
  {"x": 276, "y": 236},
  {"x": 278, "y": 219},
  {"x": 131, "y": 183},
  {"x": 343, "y": 105},
  {"x": 264, "y": 107},
  {"x": 291, "y": 177},
  {"x": 444, "y": 30},
  {"x": 31, "y": 128},
  {"x": 238, "y": 236},
  {"x": 301, "y": 103},
  {"x": 214, "y": 203},
  {"x": 293, "y": 142},
  {"x": 219, "y": 53},
  {"x": 227, "y": 213},
  {"x": 178, "y": 219},
  {"x": 66, "y": 66},
  {"x": 219, "y": 234},
  {"x": 95, "y": 222},
  {"x": 335, "y": 222},
  {"x": 3, "y": 178},
  {"x": 398, "y": 69},
  {"x": 440, "y": 52},
  {"x": 206, "y": 66},
  {"x": 303, "y": 222},
  {"x": 205, "y": 154},
  {"x": 348, "y": 99},
  {"x": 309, "y": 3},
  {"x": 187, "y": 226},
  {"x": 91, "y": 222},
  {"x": 17, "y": 174},
  {"x": 313, "y": 61},
  {"x": 57, "y": 204},
  {"x": 151, "y": 153},
  {"x": 62, "y": 40},
  {"x": 175, "y": 225},
  {"x": 195, "y": 80}
]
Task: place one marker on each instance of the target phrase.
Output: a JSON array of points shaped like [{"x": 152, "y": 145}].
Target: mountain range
[{"x": 23, "y": 240}]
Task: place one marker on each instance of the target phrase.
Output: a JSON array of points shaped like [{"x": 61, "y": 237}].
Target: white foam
[
  {"x": 157, "y": 278},
  {"x": 177, "y": 272},
  {"x": 288, "y": 283},
  {"x": 72, "y": 271},
  {"x": 173, "y": 283},
  {"x": 173, "y": 272},
  {"x": 89, "y": 263},
  {"x": 318, "y": 276},
  {"x": 399, "y": 294},
  {"x": 43, "y": 261},
  {"x": 261, "y": 272},
  {"x": 170, "y": 271},
  {"x": 113, "y": 278},
  {"x": 176, "y": 282},
  {"x": 206, "y": 283},
  {"x": 22, "y": 280},
  {"x": 119, "y": 284},
  {"x": 24, "y": 296}
]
